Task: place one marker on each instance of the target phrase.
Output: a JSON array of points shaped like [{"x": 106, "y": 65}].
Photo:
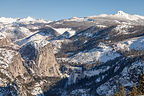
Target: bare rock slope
[{"x": 40, "y": 58}]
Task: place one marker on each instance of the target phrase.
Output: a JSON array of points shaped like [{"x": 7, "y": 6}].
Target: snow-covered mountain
[
  {"x": 119, "y": 17},
  {"x": 26, "y": 20},
  {"x": 79, "y": 56}
]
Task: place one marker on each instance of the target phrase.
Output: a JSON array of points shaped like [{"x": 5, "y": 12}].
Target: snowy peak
[
  {"x": 7, "y": 20},
  {"x": 119, "y": 15},
  {"x": 122, "y": 13},
  {"x": 27, "y": 19}
]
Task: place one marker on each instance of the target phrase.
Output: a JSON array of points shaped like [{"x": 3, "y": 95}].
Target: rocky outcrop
[
  {"x": 16, "y": 68},
  {"x": 46, "y": 61},
  {"x": 40, "y": 58},
  {"x": 12, "y": 70},
  {"x": 4, "y": 41},
  {"x": 33, "y": 74},
  {"x": 11, "y": 65}
]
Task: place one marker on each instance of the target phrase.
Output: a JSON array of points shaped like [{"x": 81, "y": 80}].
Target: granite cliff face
[
  {"x": 46, "y": 62},
  {"x": 11, "y": 64},
  {"x": 19, "y": 74},
  {"x": 11, "y": 61},
  {"x": 11, "y": 68},
  {"x": 40, "y": 58}
]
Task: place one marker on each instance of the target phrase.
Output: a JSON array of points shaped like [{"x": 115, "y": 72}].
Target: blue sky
[{"x": 61, "y": 9}]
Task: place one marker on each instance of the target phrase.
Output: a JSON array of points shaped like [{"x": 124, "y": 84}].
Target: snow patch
[
  {"x": 102, "y": 53},
  {"x": 122, "y": 29},
  {"x": 62, "y": 30},
  {"x": 77, "y": 19},
  {"x": 131, "y": 44},
  {"x": 2, "y": 36},
  {"x": 7, "y": 20},
  {"x": 40, "y": 43},
  {"x": 95, "y": 72},
  {"x": 57, "y": 44}
]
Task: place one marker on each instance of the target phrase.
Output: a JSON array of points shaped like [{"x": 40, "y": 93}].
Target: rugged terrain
[{"x": 79, "y": 56}]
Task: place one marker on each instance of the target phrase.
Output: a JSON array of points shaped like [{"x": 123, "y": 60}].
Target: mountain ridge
[
  {"x": 119, "y": 14},
  {"x": 85, "y": 56}
]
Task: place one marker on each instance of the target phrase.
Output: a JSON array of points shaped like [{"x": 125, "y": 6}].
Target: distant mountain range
[{"x": 79, "y": 56}]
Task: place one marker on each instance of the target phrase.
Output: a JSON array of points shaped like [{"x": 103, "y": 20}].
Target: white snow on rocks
[
  {"x": 37, "y": 91},
  {"x": 127, "y": 79},
  {"x": 122, "y": 28},
  {"x": 57, "y": 44},
  {"x": 7, "y": 20},
  {"x": 2, "y": 36},
  {"x": 120, "y": 15},
  {"x": 101, "y": 26},
  {"x": 103, "y": 54},
  {"x": 95, "y": 72},
  {"x": 24, "y": 30},
  {"x": 34, "y": 37},
  {"x": 77, "y": 19},
  {"x": 132, "y": 44},
  {"x": 30, "y": 20},
  {"x": 40, "y": 43},
  {"x": 6, "y": 56},
  {"x": 81, "y": 92},
  {"x": 124, "y": 15},
  {"x": 62, "y": 30},
  {"x": 27, "y": 20}
]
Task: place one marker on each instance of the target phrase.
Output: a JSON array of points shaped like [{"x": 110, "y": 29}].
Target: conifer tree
[
  {"x": 122, "y": 92},
  {"x": 129, "y": 93},
  {"x": 141, "y": 85},
  {"x": 134, "y": 91},
  {"x": 117, "y": 94}
]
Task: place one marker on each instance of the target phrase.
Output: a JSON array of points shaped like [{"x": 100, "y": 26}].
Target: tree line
[{"x": 137, "y": 90}]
